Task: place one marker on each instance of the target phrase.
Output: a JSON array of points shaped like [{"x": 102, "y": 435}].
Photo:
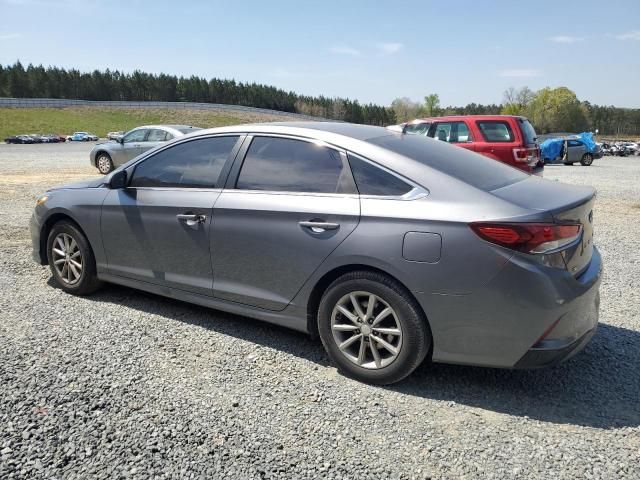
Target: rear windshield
[
  {"x": 528, "y": 131},
  {"x": 474, "y": 169}
]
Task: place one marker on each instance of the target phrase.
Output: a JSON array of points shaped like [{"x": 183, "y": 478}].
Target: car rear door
[
  {"x": 497, "y": 139},
  {"x": 157, "y": 229},
  {"x": 288, "y": 204}
]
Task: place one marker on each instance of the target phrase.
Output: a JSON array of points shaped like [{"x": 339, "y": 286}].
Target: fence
[{"x": 62, "y": 103}]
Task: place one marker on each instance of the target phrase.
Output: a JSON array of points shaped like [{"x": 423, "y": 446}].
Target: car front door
[
  {"x": 157, "y": 228},
  {"x": 131, "y": 145},
  {"x": 291, "y": 204},
  {"x": 576, "y": 150}
]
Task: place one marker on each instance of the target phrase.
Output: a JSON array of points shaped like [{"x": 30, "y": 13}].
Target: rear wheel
[
  {"x": 104, "y": 163},
  {"x": 71, "y": 259},
  {"x": 372, "y": 328},
  {"x": 587, "y": 159}
]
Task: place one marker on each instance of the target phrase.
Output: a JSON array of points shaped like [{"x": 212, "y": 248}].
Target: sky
[{"x": 373, "y": 51}]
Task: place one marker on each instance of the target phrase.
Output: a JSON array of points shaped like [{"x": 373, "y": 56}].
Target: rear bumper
[{"x": 540, "y": 357}]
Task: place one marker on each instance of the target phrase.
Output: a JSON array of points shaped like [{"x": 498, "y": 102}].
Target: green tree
[
  {"x": 432, "y": 105},
  {"x": 557, "y": 110}
]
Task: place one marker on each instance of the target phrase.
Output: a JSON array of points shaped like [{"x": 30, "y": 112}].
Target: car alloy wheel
[
  {"x": 366, "y": 330},
  {"x": 67, "y": 258},
  {"x": 104, "y": 164},
  {"x": 587, "y": 159}
]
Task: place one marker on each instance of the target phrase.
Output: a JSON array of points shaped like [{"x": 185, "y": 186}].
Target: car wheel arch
[
  {"x": 48, "y": 224},
  {"x": 315, "y": 296}
]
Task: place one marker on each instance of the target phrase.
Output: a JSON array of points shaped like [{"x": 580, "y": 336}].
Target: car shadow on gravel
[{"x": 599, "y": 387}]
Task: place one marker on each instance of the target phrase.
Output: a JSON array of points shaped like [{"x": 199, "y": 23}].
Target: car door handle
[
  {"x": 319, "y": 227},
  {"x": 190, "y": 218}
]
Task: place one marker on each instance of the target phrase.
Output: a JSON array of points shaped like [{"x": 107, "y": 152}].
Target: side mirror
[
  {"x": 120, "y": 140},
  {"x": 118, "y": 180}
]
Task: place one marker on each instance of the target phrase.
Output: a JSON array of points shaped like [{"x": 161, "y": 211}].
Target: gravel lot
[{"x": 125, "y": 384}]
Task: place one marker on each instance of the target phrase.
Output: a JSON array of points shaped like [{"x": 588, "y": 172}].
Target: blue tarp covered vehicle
[{"x": 553, "y": 148}]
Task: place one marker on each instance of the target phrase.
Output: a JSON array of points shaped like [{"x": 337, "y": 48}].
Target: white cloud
[
  {"x": 634, "y": 35},
  {"x": 9, "y": 36},
  {"x": 520, "y": 72},
  {"x": 565, "y": 39},
  {"x": 343, "y": 50},
  {"x": 390, "y": 48}
]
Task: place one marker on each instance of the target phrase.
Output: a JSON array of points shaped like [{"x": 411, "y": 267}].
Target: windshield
[{"x": 472, "y": 168}]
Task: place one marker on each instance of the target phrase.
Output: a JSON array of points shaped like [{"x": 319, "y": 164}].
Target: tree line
[
  {"x": 550, "y": 110},
  {"x": 53, "y": 82}
]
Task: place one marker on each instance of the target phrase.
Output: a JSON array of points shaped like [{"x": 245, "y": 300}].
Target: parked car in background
[
  {"x": 19, "y": 139},
  {"x": 82, "y": 137},
  {"x": 392, "y": 248},
  {"x": 50, "y": 138},
  {"x": 108, "y": 155},
  {"x": 506, "y": 138},
  {"x": 114, "y": 135},
  {"x": 577, "y": 151}
]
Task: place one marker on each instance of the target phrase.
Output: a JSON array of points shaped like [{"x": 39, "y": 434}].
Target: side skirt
[{"x": 284, "y": 319}]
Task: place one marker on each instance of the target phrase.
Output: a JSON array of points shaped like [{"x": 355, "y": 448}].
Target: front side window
[
  {"x": 156, "y": 135},
  {"x": 452, "y": 132},
  {"x": 135, "y": 136},
  {"x": 372, "y": 180},
  {"x": 288, "y": 165},
  {"x": 496, "y": 131},
  {"x": 194, "y": 164}
]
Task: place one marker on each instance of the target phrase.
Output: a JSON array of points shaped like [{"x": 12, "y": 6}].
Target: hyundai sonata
[{"x": 392, "y": 248}]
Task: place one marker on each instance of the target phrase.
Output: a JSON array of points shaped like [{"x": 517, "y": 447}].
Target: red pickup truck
[{"x": 507, "y": 138}]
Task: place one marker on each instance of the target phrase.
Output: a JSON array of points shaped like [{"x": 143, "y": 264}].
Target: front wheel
[
  {"x": 372, "y": 328},
  {"x": 587, "y": 159},
  {"x": 104, "y": 163},
  {"x": 71, "y": 259}
]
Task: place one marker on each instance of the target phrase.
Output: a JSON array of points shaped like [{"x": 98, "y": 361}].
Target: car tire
[
  {"x": 104, "y": 164},
  {"x": 381, "y": 354},
  {"x": 586, "y": 160},
  {"x": 71, "y": 259}
]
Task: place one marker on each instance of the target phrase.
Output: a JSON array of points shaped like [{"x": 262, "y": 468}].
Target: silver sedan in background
[
  {"x": 392, "y": 248},
  {"x": 109, "y": 155}
]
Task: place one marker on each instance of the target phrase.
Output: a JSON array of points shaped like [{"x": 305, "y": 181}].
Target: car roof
[{"x": 473, "y": 117}]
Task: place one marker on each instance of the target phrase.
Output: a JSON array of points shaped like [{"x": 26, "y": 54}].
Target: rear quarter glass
[{"x": 529, "y": 134}]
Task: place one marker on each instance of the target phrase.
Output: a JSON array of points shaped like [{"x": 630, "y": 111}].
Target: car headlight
[{"x": 42, "y": 200}]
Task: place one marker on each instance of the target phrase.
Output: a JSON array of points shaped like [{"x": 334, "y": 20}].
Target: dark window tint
[
  {"x": 452, "y": 132},
  {"x": 372, "y": 180},
  {"x": 156, "y": 135},
  {"x": 282, "y": 164},
  {"x": 195, "y": 164},
  {"x": 496, "y": 131},
  {"x": 574, "y": 143},
  {"x": 135, "y": 136},
  {"x": 417, "y": 128},
  {"x": 529, "y": 133},
  {"x": 476, "y": 170}
]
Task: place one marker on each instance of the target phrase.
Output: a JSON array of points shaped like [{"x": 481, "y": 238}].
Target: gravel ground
[{"x": 125, "y": 384}]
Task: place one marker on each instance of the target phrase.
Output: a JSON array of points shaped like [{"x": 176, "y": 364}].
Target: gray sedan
[
  {"x": 108, "y": 155},
  {"x": 392, "y": 248}
]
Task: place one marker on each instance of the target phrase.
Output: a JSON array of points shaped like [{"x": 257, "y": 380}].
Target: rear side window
[
  {"x": 288, "y": 165},
  {"x": 496, "y": 131},
  {"x": 194, "y": 164},
  {"x": 372, "y": 180},
  {"x": 156, "y": 135},
  {"x": 471, "y": 168},
  {"x": 528, "y": 132}
]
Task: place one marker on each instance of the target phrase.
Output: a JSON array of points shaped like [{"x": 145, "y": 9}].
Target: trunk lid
[{"x": 565, "y": 204}]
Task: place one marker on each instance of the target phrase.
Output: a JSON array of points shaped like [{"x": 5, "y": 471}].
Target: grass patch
[{"x": 15, "y": 121}]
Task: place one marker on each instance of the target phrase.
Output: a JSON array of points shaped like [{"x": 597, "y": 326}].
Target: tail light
[
  {"x": 528, "y": 237},
  {"x": 526, "y": 155}
]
